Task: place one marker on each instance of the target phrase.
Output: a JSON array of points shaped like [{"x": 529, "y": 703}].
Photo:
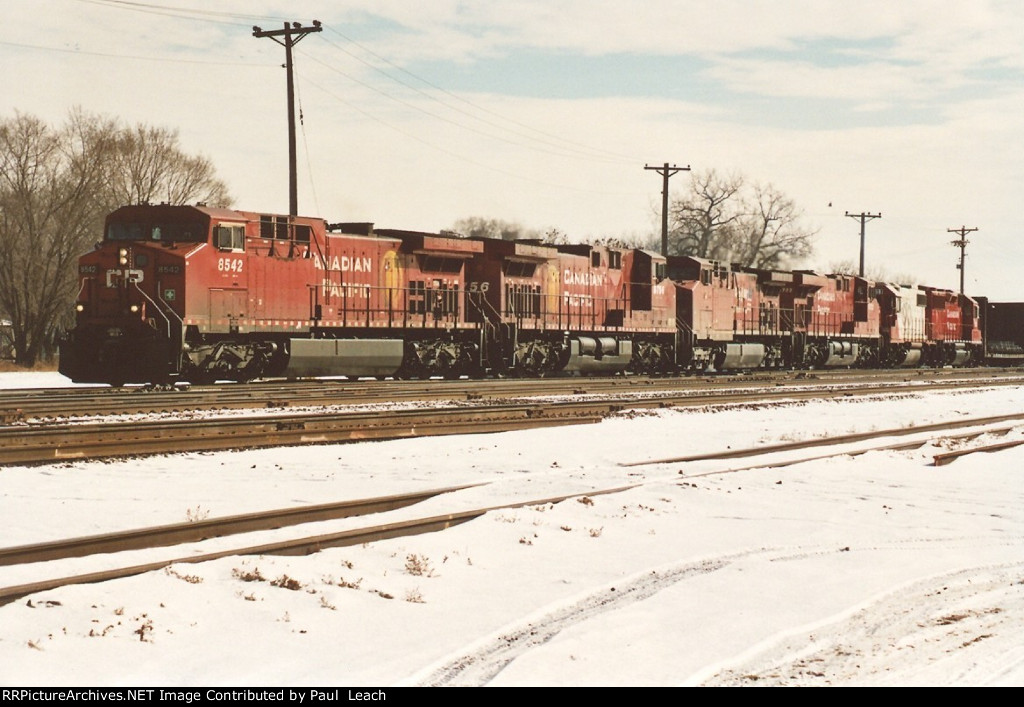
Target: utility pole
[
  {"x": 665, "y": 171},
  {"x": 288, "y": 37},
  {"x": 961, "y": 243},
  {"x": 864, "y": 218}
]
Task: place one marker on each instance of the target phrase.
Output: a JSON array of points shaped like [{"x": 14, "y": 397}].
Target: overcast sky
[{"x": 545, "y": 112}]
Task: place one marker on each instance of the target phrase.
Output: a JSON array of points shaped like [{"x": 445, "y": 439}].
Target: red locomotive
[{"x": 200, "y": 294}]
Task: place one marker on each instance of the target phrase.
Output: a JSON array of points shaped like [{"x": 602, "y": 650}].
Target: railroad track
[
  {"x": 197, "y": 531},
  {"x": 157, "y": 537},
  {"x": 58, "y": 442},
  {"x": 43, "y": 403},
  {"x": 167, "y": 535},
  {"x": 925, "y": 434},
  {"x": 90, "y": 441}
]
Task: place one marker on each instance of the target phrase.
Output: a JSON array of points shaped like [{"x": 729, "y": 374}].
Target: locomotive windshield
[{"x": 195, "y": 232}]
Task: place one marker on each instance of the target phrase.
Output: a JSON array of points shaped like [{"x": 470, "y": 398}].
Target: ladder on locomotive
[{"x": 497, "y": 336}]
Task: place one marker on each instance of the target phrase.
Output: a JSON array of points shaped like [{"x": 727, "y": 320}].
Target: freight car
[
  {"x": 1003, "y": 326},
  {"x": 199, "y": 294}
]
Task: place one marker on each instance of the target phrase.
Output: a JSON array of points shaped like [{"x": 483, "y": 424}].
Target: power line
[
  {"x": 561, "y": 139},
  {"x": 558, "y": 150},
  {"x": 489, "y": 166},
  {"x": 557, "y": 146},
  {"x": 525, "y": 136},
  {"x": 305, "y": 147},
  {"x": 105, "y": 55},
  {"x": 179, "y": 12},
  {"x": 566, "y": 148}
]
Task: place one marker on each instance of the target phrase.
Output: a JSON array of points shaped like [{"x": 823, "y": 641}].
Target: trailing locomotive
[{"x": 199, "y": 294}]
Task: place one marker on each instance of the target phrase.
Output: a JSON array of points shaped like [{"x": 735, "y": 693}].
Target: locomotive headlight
[
  {"x": 122, "y": 256},
  {"x": 134, "y": 309},
  {"x": 79, "y": 307}
]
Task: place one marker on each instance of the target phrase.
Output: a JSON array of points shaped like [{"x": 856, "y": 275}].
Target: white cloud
[{"x": 377, "y": 159}]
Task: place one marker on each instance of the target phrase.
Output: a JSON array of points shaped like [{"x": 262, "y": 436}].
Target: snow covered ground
[{"x": 868, "y": 570}]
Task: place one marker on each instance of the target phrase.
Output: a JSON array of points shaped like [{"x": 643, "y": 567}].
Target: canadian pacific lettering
[
  {"x": 344, "y": 263},
  {"x": 573, "y": 277}
]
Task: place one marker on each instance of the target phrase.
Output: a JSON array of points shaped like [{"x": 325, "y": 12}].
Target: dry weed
[{"x": 418, "y": 566}]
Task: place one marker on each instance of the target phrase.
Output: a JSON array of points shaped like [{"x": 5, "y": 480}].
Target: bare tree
[
  {"x": 877, "y": 273},
  {"x": 555, "y": 236},
  {"x": 148, "y": 166},
  {"x": 49, "y": 209},
  {"x": 480, "y": 227},
  {"x": 706, "y": 220},
  {"x": 720, "y": 218},
  {"x": 56, "y": 185},
  {"x": 772, "y": 235}
]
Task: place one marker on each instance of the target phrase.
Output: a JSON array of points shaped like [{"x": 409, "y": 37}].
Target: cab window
[
  {"x": 172, "y": 232},
  {"x": 230, "y": 237}
]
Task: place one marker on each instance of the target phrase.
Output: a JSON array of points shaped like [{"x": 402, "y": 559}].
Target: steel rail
[
  {"x": 829, "y": 441},
  {"x": 899, "y": 446},
  {"x": 65, "y": 402},
  {"x": 15, "y": 409},
  {"x": 41, "y": 444},
  {"x": 948, "y": 457},
  {"x": 298, "y": 546},
  {"x": 34, "y": 444},
  {"x": 196, "y": 531}
]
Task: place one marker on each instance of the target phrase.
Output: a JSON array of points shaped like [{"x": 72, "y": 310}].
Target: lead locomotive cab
[
  {"x": 201, "y": 294},
  {"x": 171, "y": 294},
  {"x": 131, "y": 296}
]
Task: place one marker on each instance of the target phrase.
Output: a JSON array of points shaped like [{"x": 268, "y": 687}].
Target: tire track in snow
[
  {"x": 482, "y": 661},
  {"x": 917, "y": 634}
]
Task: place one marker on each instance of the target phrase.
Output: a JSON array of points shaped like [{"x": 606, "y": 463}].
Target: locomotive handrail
[
  {"x": 595, "y": 318},
  {"x": 170, "y": 309},
  {"x": 181, "y": 327},
  {"x": 684, "y": 327},
  {"x": 484, "y": 306},
  {"x": 155, "y": 306},
  {"x": 442, "y": 304},
  {"x": 830, "y": 324}
]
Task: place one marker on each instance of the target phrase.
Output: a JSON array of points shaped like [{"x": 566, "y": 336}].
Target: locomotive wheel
[{"x": 533, "y": 360}]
